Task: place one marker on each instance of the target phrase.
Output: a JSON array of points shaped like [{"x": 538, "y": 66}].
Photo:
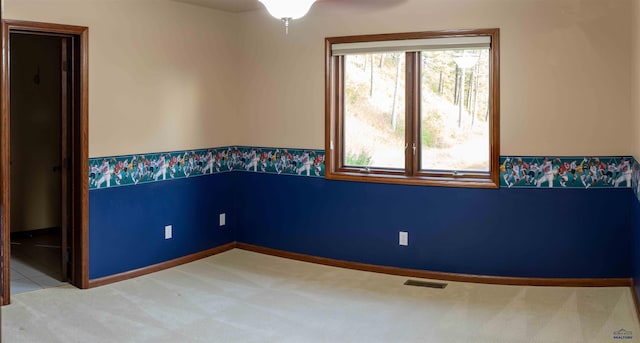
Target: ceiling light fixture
[{"x": 287, "y": 10}]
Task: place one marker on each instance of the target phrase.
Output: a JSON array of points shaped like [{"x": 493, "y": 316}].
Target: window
[{"x": 414, "y": 108}]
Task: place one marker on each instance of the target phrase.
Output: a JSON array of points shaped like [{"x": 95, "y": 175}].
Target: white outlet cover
[
  {"x": 223, "y": 219},
  {"x": 168, "y": 232},
  {"x": 404, "y": 238}
]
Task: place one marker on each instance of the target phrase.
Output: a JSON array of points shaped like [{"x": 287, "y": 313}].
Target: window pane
[
  {"x": 455, "y": 110},
  {"x": 374, "y": 110}
]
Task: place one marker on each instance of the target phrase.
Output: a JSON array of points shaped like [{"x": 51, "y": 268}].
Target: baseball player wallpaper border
[
  {"x": 568, "y": 172},
  {"x": 515, "y": 171},
  {"x": 114, "y": 171}
]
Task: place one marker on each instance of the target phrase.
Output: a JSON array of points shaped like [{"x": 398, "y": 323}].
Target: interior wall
[
  {"x": 121, "y": 223},
  {"x": 171, "y": 76},
  {"x": 158, "y": 84},
  {"x": 161, "y": 73},
  {"x": 35, "y": 132},
  {"x": 635, "y": 143},
  {"x": 635, "y": 81},
  {"x": 500, "y": 232},
  {"x": 564, "y": 69}
]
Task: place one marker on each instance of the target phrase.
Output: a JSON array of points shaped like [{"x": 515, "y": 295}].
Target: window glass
[
  {"x": 454, "y": 120},
  {"x": 374, "y": 110}
]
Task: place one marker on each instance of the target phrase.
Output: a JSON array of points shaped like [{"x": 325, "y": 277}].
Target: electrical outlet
[
  {"x": 168, "y": 232},
  {"x": 404, "y": 238},
  {"x": 223, "y": 219}
]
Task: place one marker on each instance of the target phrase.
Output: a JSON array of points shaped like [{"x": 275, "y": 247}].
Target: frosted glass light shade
[{"x": 287, "y": 9}]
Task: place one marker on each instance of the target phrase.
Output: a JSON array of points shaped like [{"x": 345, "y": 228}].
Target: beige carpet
[{"x": 240, "y": 296}]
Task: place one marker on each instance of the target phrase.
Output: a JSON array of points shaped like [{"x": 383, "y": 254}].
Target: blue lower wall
[
  {"x": 126, "y": 224},
  {"x": 556, "y": 233},
  {"x": 561, "y": 233},
  {"x": 635, "y": 250}
]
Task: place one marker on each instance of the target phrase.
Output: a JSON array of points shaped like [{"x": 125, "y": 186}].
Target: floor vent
[{"x": 425, "y": 284}]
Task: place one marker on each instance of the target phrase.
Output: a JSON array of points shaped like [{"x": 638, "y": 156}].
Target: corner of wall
[
  {"x": 635, "y": 79},
  {"x": 635, "y": 143}
]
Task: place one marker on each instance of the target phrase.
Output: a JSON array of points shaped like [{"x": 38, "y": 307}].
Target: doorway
[
  {"x": 39, "y": 178},
  {"x": 44, "y": 156}
]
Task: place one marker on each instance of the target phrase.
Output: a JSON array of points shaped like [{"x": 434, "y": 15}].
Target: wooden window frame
[{"x": 412, "y": 174}]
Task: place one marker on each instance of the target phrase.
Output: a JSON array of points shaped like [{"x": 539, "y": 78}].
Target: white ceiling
[{"x": 226, "y": 5}]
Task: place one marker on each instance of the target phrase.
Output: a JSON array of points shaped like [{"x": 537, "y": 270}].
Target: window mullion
[{"x": 412, "y": 113}]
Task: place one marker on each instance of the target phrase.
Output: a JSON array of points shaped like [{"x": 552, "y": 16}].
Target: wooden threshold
[
  {"x": 160, "y": 266},
  {"x": 494, "y": 280}
]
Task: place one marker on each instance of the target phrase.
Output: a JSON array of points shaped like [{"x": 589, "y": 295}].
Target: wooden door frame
[
  {"x": 79, "y": 192},
  {"x": 67, "y": 90}
]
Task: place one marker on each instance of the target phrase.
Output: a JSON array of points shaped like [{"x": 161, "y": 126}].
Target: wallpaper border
[
  {"x": 568, "y": 172},
  {"x": 127, "y": 170},
  {"x": 582, "y": 172}
]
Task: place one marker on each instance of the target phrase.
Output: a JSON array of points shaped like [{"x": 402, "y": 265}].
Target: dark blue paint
[
  {"x": 556, "y": 233},
  {"x": 126, "y": 224},
  {"x": 635, "y": 246},
  {"x": 561, "y": 233}
]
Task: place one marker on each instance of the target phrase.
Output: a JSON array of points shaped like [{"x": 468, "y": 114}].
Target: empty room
[{"x": 320, "y": 171}]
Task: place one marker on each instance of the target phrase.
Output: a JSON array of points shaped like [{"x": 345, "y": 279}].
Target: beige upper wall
[
  {"x": 160, "y": 75},
  {"x": 635, "y": 88},
  {"x": 564, "y": 69},
  {"x": 170, "y": 76}
]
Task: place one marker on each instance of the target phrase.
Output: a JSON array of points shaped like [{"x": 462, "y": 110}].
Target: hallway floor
[
  {"x": 241, "y": 296},
  {"x": 35, "y": 262}
]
